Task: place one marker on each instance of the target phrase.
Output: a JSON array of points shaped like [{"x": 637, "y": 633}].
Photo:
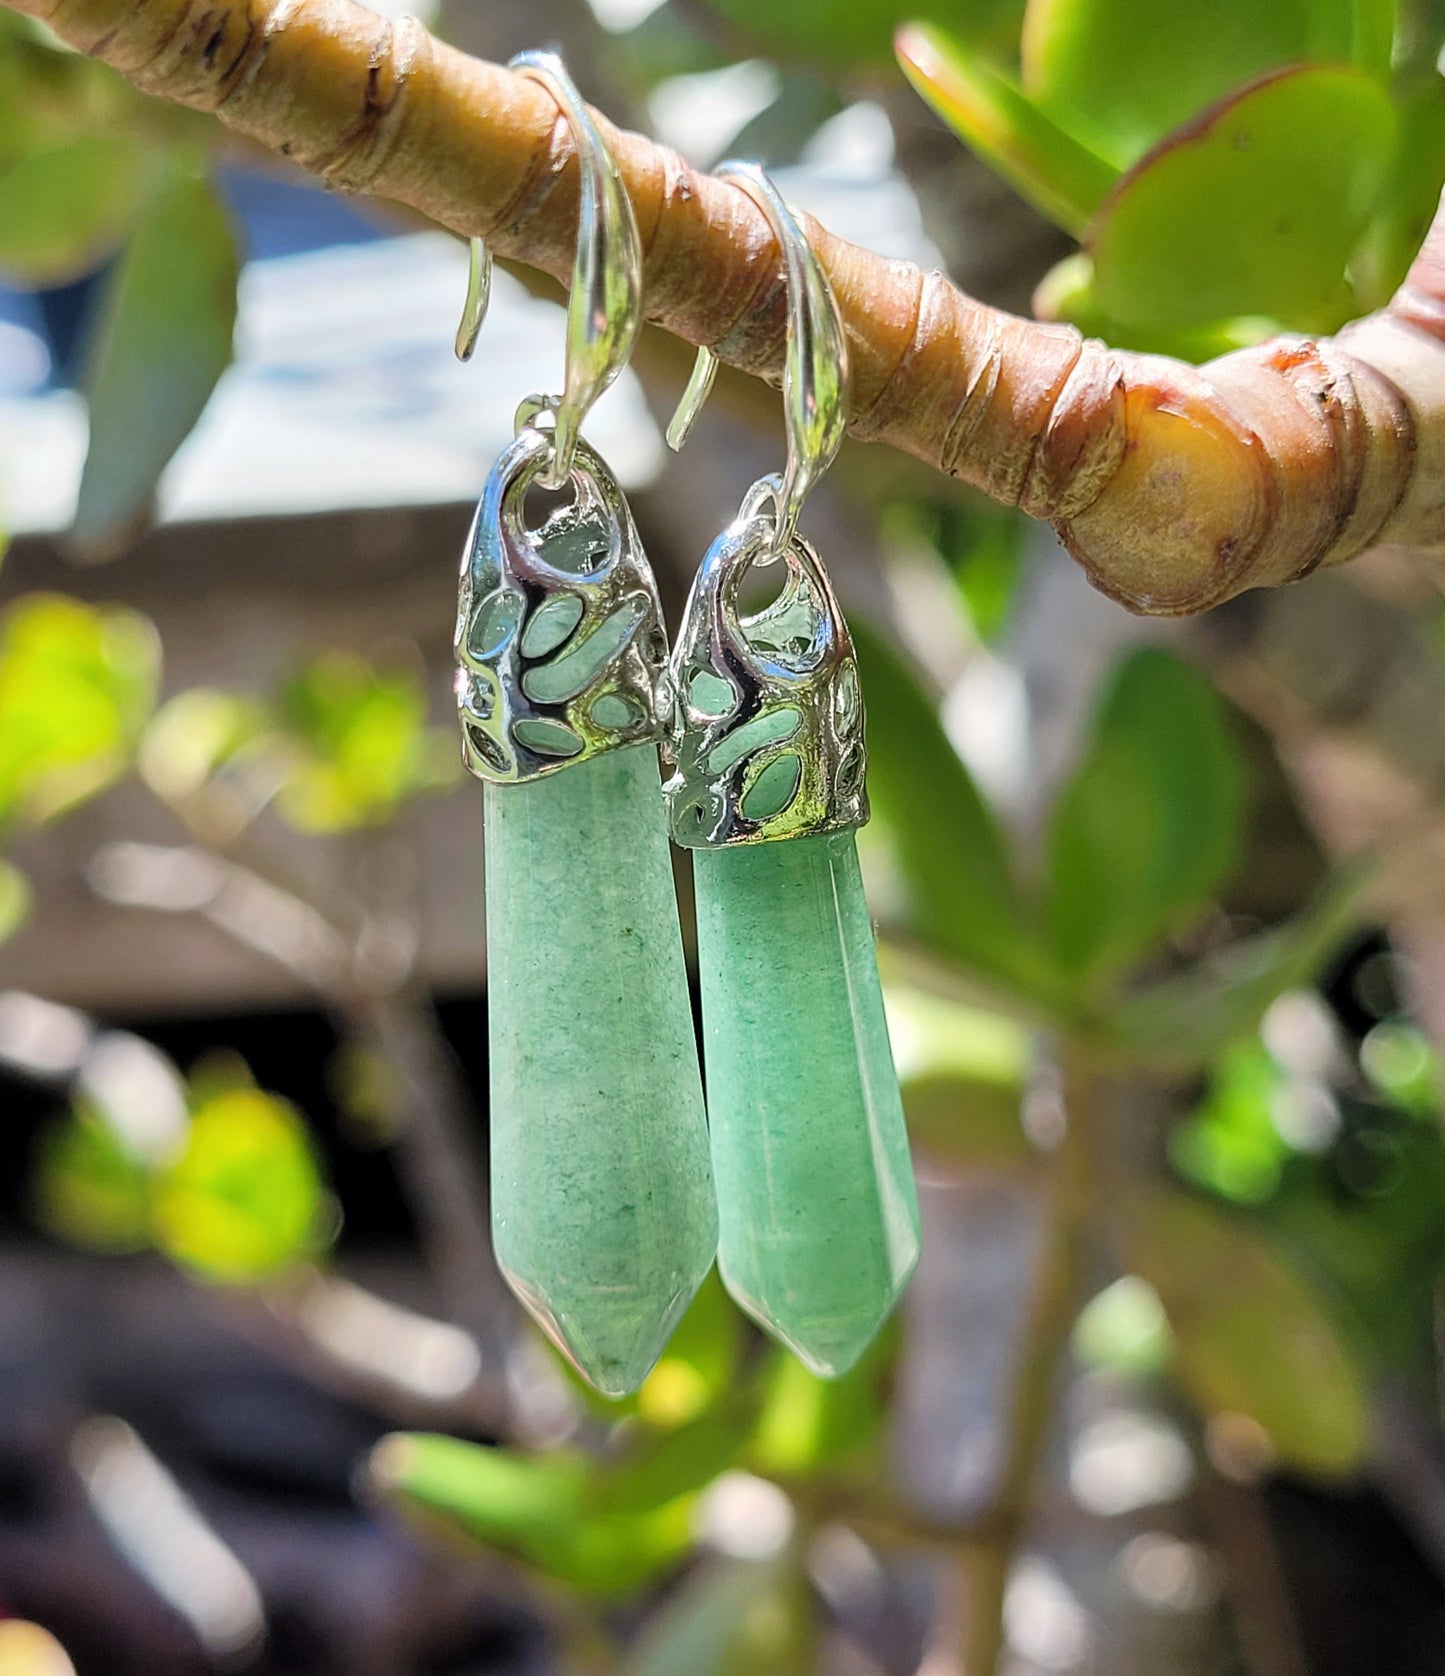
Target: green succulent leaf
[
  {"x": 66, "y": 207},
  {"x": 1252, "y": 1336},
  {"x": 162, "y": 340},
  {"x": 90, "y": 1189},
  {"x": 1150, "y": 822},
  {"x": 949, "y": 846},
  {"x": 76, "y": 685},
  {"x": 1124, "y": 73},
  {"x": 361, "y": 744},
  {"x": 840, "y": 35},
  {"x": 534, "y": 1508},
  {"x": 1254, "y": 209},
  {"x": 245, "y": 1200},
  {"x": 807, "y": 1423},
  {"x": 1060, "y": 175}
]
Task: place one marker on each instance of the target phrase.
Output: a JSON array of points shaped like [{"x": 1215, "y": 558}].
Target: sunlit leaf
[
  {"x": 1150, "y": 822},
  {"x": 1231, "y": 1144},
  {"x": 842, "y": 34},
  {"x": 732, "y": 1618},
  {"x": 1124, "y": 73},
  {"x": 76, "y": 685},
  {"x": 66, "y": 207},
  {"x": 807, "y": 1423},
  {"x": 1252, "y": 1336},
  {"x": 679, "y": 1463},
  {"x": 14, "y": 899},
  {"x": 700, "y": 1364},
  {"x": 162, "y": 340},
  {"x": 950, "y": 848},
  {"x": 245, "y": 1199},
  {"x": 1254, "y": 210},
  {"x": 1057, "y": 173},
  {"x": 361, "y": 744},
  {"x": 89, "y": 1188},
  {"x": 531, "y": 1507}
]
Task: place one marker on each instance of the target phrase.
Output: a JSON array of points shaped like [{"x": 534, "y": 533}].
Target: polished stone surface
[
  {"x": 603, "y": 1215},
  {"x": 818, "y": 1214}
]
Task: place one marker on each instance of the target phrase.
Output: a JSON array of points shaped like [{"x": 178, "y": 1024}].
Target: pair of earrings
[{"x": 613, "y": 1184}]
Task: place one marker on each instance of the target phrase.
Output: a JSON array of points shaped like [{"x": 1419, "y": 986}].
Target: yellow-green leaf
[
  {"x": 1254, "y": 209},
  {"x": 76, "y": 685},
  {"x": 64, "y": 208},
  {"x": 1059, "y": 174},
  {"x": 1125, "y": 73},
  {"x": 245, "y": 1199}
]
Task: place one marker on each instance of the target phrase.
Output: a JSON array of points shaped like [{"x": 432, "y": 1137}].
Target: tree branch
[{"x": 1173, "y": 486}]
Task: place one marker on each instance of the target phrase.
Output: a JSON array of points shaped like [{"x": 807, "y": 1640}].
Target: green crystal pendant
[
  {"x": 819, "y": 1228},
  {"x": 603, "y": 1214}
]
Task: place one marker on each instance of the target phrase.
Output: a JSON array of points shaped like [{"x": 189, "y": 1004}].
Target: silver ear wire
[
  {"x": 767, "y": 741},
  {"x": 815, "y": 372},
  {"x": 604, "y": 308}
]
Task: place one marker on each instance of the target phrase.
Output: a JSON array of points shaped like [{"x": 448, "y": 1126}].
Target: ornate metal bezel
[
  {"x": 768, "y": 736},
  {"x": 538, "y": 609}
]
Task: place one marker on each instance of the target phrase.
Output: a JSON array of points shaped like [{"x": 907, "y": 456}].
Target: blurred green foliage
[
  {"x": 235, "y": 1197},
  {"x": 1279, "y": 172},
  {"x": 76, "y": 685},
  {"x": 1230, "y": 172}
]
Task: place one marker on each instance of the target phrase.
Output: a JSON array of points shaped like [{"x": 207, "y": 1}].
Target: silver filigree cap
[
  {"x": 561, "y": 653},
  {"x": 768, "y": 735}
]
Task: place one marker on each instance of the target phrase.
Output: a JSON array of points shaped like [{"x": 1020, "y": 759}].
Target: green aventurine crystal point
[
  {"x": 819, "y": 1213},
  {"x": 603, "y": 1214}
]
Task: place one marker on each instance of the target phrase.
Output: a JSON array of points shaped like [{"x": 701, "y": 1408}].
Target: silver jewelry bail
[
  {"x": 768, "y": 737},
  {"x": 560, "y": 648}
]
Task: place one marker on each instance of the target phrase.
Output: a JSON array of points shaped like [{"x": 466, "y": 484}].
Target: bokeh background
[{"x": 1161, "y": 909}]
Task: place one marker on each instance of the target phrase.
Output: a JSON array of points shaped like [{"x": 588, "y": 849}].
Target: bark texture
[{"x": 1173, "y": 486}]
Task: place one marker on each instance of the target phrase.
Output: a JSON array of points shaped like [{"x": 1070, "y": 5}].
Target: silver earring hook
[
  {"x": 479, "y": 294},
  {"x": 815, "y": 372},
  {"x": 604, "y": 309}
]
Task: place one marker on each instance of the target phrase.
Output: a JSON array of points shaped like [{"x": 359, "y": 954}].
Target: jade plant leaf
[
  {"x": 949, "y": 846},
  {"x": 1150, "y": 821},
  {"x": 66, "y": 207},
  {"x": 1124, "y": 73},
  {"x": 359, "y": 742},
  {"x": 1056, "y": 172},
  {"x": 534, "y": 1508},
  {"x": 162, "y": 340},
  {"x": 245, "y": 1200},
  {"x": 1251, "y": 1335},
  {"x": 1252, "y": 210},
  {"x": 841, "y": 34},
  {"x": 77, "y": 683}
]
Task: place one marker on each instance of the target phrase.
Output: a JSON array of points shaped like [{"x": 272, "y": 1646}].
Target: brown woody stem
[{"x": 1173, "y": 486}]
